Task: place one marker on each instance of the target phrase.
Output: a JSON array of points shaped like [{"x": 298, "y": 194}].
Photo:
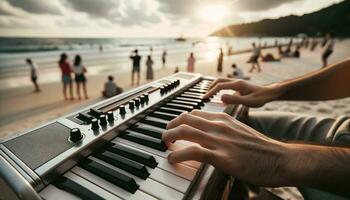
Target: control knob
[
  {"x": 122, "y": 110},
  {"x": 75, "y": 135},
  {"x": 94, "y": 124},
  {"x": 103, "y": 120},
  {"x": 110, "y": 116}
]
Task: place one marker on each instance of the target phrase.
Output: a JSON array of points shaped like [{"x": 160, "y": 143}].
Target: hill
[{"x": 335, "y": 19}]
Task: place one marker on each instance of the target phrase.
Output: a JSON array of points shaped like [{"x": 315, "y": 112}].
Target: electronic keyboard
[{"x": 113, "y": 149}]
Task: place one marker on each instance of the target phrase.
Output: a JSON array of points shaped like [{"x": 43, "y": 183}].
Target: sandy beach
[{"x": 21, "y": 109}]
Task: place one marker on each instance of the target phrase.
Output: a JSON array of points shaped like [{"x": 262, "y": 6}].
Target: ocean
[{"x": 114, "y": 55}]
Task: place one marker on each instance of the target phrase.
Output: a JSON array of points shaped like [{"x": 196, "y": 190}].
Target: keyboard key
[
  {"x": 70, "y": 186},
  {"x": 155, "y": 122},
  {"x": 110, "y": 175},
  {"x": 195, "y": 105},
  {"x": 149, "y": 186},
  {"x": 179, "y": 106},
  {"x": 148, "y": 130},
  {"x": 163, "y": 115},
  {"x": 144, "y": 140},
  {"x": 92, "y": 187},
  {"x": 51, "y": 192},
  {"x": 190, "y": 100},
  {"x": 121, "y": 162},
  {"x": 180, "y": 169},
  {"x": 155, "y": 152},
  {"x": 110, "y": 187},
  {"x": 171, "y": 110},
  {"x": 132, "y": 154}
]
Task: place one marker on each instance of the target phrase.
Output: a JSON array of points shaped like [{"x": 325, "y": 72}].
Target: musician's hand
[
  {"x": 247, "y": 93},
  {"x": 228, "y": 145}
]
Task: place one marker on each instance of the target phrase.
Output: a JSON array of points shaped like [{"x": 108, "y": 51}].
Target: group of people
[{"x": 67, "y": 70}]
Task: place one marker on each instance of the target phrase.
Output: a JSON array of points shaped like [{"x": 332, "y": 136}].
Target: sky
[{"x": 139, "y": 18}]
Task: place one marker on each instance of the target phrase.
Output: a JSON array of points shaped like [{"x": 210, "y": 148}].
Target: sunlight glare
[{"x": 213, "y": 13}]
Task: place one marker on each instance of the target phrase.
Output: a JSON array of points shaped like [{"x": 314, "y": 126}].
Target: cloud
[
  {"x": 96, "y": 8},
  {"x": 37, "y": 7},
  {"x": 259, "y": 5},
  {"x": 137, "y": 13}
]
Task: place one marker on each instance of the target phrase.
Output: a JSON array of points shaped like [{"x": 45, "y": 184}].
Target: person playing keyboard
[{"x": 274, "y": 149}]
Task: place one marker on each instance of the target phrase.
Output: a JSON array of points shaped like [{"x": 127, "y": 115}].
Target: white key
[
  {"x": 169, "y": 179},
  {"x": 90, "y": 186},
  {"x": 183, "y": 171},
  {"x": 53, "y": 193},
  {"x": 152, "y": 151},
  {"x": 111, "y": 187},
  {"x": 149, "y": 185}
]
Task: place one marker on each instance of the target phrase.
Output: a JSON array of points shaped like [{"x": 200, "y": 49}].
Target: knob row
[
  {"x": 103, "y": 120},
  {"x": 169, "y": 86}
]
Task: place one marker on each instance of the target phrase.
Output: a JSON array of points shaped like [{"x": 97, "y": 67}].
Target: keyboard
[{"x": 113, "y": 149}]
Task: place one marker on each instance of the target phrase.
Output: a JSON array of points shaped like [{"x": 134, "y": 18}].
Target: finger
[
  {"x": 191, "y": 120},
  {"x": 237, "y": 85},
  {"x": 185, "y": 132},
  {"x": 196, "y": 153},
  {"x": 234, "y": 99},
  {"x": 211, "y": 116},
  {"x": 219, "y": 80}
]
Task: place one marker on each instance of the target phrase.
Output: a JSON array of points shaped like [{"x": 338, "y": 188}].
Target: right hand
[{"x": 246, "y": 93}]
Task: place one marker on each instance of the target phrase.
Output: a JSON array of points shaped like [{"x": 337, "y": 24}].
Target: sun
[{"x": 213, "y": 13}]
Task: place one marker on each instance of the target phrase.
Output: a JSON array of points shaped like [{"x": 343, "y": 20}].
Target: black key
[
  {"x": 144, "y": 140},
  {"x": 110, "y": 175},
  {"x": 163, "y": 115},
  {"x": 70, "y": 186},
  {"x": 132, "y": 154},
  {"x": 179, "y": 106},
  {"x": 190, "y": 100},
  {"x": 141, "y": 128},
  {"x": 123, "y": 163},
  {"x": 195, "y": 105},
  {"x": 154, "y": 122},
  {"x": 170, "y": 110}
]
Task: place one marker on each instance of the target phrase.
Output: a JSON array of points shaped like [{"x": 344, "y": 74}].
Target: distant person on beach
[
  {"x": 149, "y": 71},
  {"x": 296, "y": 52},
  {"x": 190, "y": 63},
  {"x": 254, "y": 59},
  {"x": 33, "y": 74},
  {"x": 164, "y": 54},
  {"x": 269, "y": 57},
  {"x": 273, "y": 149},
  {"x": 110, "y": 88},
  {"x": 101, "y": 48},
  {"x": 136, "y": 58},
  {"x": 176, "y": 70},
  {"x": 80, "y": 79},
  {"x": 66, "y": 70},
  {"x": 220, "y": 61},
  {"x": 327, "y": 49},
  {"x": 237, "y": 73}
]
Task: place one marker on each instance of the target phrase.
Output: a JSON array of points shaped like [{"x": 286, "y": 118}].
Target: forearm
[
  {"x": 321, "y": 167},
  {"x": 328, "y": 83}
]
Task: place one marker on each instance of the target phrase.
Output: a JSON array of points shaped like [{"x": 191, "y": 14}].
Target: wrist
[{"x": 277, "y": 90}]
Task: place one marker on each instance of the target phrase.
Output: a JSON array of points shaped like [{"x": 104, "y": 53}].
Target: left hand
[{"x": 228, "y": 145}]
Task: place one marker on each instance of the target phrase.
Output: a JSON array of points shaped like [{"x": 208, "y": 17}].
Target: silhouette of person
[
  {"x": 33, "y": 74},
  {"x": 136, "y": 58}
]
